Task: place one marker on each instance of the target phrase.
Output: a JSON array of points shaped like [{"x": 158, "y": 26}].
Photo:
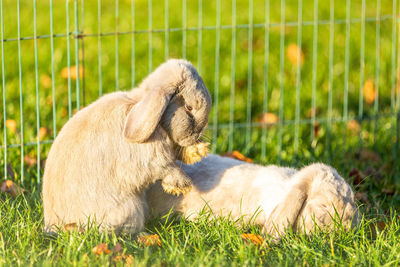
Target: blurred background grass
[{"x": 119, "y": 42}]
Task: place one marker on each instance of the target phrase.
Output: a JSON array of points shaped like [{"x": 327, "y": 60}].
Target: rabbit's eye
[{"x": 188, "y": 108}]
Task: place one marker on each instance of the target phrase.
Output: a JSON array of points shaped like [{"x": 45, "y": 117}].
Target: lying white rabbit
[
  {"x": 284, "y": 197},
  {"x": 110, "y": 151}
]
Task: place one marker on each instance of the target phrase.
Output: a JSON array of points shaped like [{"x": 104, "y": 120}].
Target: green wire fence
[{"x": 291, "y": 80}]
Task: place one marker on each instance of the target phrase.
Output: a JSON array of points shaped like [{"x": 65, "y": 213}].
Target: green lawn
[
  {"x": 22, "y": 242},
  {"x": 118, "y": 62}
]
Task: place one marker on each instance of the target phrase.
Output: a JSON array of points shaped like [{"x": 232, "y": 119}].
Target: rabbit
[
  {"x": 280, "y": 197},
  {"x": 110, "y": 151}
]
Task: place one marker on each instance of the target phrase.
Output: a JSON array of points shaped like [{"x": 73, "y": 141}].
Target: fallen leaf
[
  {"x": 388, "y": 191},
  {"x": 381, "y": 225},
  {"x": 129, "y": 260},
  {"x": 118, "y": 258},
  {"x": 373, "y": 173},
  {"x": 101, "y": 249},
  {"x": 353, "y": 126},
  {"x": 375, "y": 227},
  {"x": 237, "y": 155},
  {"x": 42, "y": 133},
  {"x": 64, "y": 72},
  {"x": 358, "y": 177},
  {"x": 117, "y": 248},
  {"x": 316, "y": 129},
  {"x": 70, "y": 227},
  {"x": 364, "y": 197},
  {"x": 64, "y": 112},
  {"x": 11, "y": 188},
  {"x": 45, "y": 80},
  {"x": 29, "y": 160},
  {"x": 49, "y": 100},
  {"x": 11, "y": 125},
  {"x": 240, "y": 84},
  {"x": 317, "y": 110},
  {"x": 293, "y": 52},
  {"x": 386, "y": 169},
  {"x": 268, "y": 118},
  {"x": 149, "y": 240},
  {"x": 369, "y": 91},
  {"x": 369, "y": 155},
  {"x": 253, "y": 238}
]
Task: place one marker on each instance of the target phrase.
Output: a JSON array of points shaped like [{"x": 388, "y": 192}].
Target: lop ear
[{"x": 144, "y": 117}]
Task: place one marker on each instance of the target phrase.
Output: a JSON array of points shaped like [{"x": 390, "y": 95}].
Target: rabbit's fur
[
  {"x": 110, "y": 151},
  {"x": 282, "y": 197}
]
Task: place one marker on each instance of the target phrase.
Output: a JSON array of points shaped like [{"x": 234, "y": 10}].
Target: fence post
[
  {"x": 21, "y": 110},
  {"x": 216, "y": 81},
  {"x": 3, "y": 80}
]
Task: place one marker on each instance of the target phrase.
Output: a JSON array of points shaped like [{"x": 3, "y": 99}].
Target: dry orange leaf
[
  {"x": 45, "y": 80},
  {"x": 11, "y": 125},
  {"x": 42, "y": 133},
  {"x": 72, "y": 227},
  {"x": 317, "y": 111},
  {"x": 237, "y": 155},
  {"x": 64, "y": 72},
  {"x": 29, "y": 160},
  {"x": 388, "y": 191},
  {"x": 381, "y": 225},
  {"x": 253, "y": 238},
  {"x": 353, "y": 126},
  {"x": 369, "y": 155},
  {"x": 358, "y": 176},
  {"x": 149, "y": 240},
  {"x": 128, "y": 259},
  {"x": 101, "y": 249},
  {"x": 49, "y": 100},
  {"x": 369, "y": 91},
  {"x": 364, "y": 197},
  {"x": 11, "y": 188},
  {"x": 268, "y": 118},
  {"x": 120, "y": 257},
  {"x": 293, "y": 52},
  {"x": 316, "y": 129},
  {"x": 117, "y": 248}
]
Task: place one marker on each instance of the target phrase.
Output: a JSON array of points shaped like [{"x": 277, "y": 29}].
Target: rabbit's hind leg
[{"x": 127, "y": 216}]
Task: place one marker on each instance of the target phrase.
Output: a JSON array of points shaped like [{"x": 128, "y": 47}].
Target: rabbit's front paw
[
  {"x": 194, "y": 153},
  {"x": 176, "y": 186}
]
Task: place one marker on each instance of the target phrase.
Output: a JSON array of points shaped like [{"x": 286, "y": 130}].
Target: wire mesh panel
[{"x": 292, "y": 81}]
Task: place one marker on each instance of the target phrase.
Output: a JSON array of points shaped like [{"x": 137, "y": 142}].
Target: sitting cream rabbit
[
  {"x": 110, "y": 151},
  {"x": 282, "y": 197}
]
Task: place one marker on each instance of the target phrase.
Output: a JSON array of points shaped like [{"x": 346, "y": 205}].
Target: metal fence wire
[{"x": 290, "y": 79}]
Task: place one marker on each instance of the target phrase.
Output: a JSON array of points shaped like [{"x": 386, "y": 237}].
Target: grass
[
  {"x": 292, "y": 140},
  {"x": 216, "y": 243}
]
